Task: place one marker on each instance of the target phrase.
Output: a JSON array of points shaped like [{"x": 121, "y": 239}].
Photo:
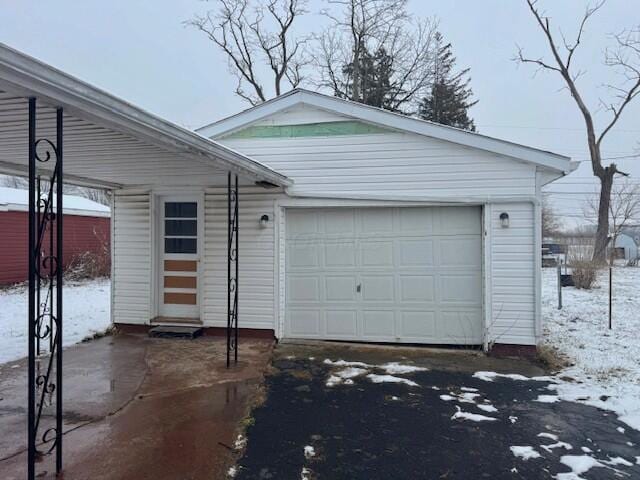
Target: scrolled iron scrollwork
[
  {"x": 45, "y": 295},
  {"x": 49, "y": 147}
]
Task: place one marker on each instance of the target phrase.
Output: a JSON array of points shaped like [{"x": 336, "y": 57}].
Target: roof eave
[{"x": 26, "y": 76}]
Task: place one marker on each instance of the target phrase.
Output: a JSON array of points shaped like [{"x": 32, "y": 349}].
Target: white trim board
[{"x": 378, "y": 116}]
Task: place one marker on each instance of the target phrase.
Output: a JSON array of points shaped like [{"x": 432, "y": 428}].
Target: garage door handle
[{"x": 358, "y": 288}]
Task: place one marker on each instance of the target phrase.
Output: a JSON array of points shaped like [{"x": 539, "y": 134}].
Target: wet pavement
[
  {"x": 140, "y": 408},
  {"x": 358, "y": 429}
]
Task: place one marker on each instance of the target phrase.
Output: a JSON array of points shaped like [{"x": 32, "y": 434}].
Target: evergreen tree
[
  {"x": 373, "y": 79},
  {"x": 449, "y": 100}
]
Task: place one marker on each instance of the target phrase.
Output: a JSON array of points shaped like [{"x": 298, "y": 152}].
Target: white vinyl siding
[
  {"x": 132, "y": 258},
  {"x": 512, "y": 275},
  {"x": 257, "y": 297},
  {"x": 389, "y": 164}
]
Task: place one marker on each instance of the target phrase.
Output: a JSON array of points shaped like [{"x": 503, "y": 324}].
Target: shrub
[{"x": 584, "y": 273}]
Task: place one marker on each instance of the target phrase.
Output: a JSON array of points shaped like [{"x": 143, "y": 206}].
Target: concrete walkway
[{"x": 140, "y": 408}]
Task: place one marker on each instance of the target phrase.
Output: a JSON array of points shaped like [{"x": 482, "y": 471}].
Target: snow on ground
[
  {"x": 86, "y": 311},
  {"x": 474, "y": 417},
  {"x": 525, "y": 452},
  {"x": 351, "y": 370},
  {"x": 606, "y": 363}
]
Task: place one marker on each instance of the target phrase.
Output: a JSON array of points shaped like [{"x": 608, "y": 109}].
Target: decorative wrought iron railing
[
  {"x": 232, "y": 268},
  {"x": 45, "y": 294}
]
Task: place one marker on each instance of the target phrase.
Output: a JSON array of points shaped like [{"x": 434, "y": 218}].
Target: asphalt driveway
[{"x": 343, "y": 412}]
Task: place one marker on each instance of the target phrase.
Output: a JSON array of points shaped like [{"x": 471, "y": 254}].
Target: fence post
[
  {"x": 610, "y": 294},
  {"x": 559, "y": 286}
]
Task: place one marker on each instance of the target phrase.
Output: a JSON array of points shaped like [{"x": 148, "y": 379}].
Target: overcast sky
[{"x": 140, "y": 51}]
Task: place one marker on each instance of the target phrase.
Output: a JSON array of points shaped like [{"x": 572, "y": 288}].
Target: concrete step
[{"x": 175, "y": 331}]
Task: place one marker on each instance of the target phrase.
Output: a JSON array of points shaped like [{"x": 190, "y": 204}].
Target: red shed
[{"x": 86, "y": 233}]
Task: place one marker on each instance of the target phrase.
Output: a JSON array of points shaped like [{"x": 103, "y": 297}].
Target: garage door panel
[
  {"x": 415, "y": 253},
  {"x": 376, "y": 254},
  {"x": 303, "y": 288},
  {"x": 340, "y": 254},
  {"x": 456, "y": 220},
  {"x": 341, "y": 323},
  {"x": 418, "y": 326},
  {"x": 304, "y": 322},
  {"x": 375, "y": 220},
  {"x": 416, "y": 221},
  {"x": 378, "y": 324},
  {"x": 302, "y": 223},
  {"x": 339, "y": 222},
  {"x": 378, "y": 288},
  {"x": 460, "y": 326},
  {"x": 417, "y": 288},
  {"x": 460, "y": 252},
  {"x": 340, "y": 288},
  {"x": 302, "y": 255},
  {"x": 419, "y": 271},
  {"x": 460, "y": 288}
]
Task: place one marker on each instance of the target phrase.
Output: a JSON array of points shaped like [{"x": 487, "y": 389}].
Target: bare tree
[
  {"x": 252, "y": 39},
  {"x": 624, "y": 209},
  {"x": 625, "y": 60},
  {"x": 551, "y": 224},
  {"x": 368, "y": 27},
  {"x": 13, "y": 182}
]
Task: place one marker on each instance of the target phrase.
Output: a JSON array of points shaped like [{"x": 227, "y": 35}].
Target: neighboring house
[
  {"x": 355, "y": 223},
  {"x": 86, "y": 230},
  {"x": 626, "y": 247}
]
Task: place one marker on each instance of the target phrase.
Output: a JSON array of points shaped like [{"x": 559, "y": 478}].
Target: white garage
[{"x": 411, "y": 274}]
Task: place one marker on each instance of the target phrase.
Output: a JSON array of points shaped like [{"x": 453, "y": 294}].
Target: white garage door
[{"x": 410, "y": 275}]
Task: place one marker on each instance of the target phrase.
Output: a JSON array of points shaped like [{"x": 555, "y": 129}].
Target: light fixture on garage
[
  {"x": 504, "y": 219},
  {"x": 264, "y": 221}
]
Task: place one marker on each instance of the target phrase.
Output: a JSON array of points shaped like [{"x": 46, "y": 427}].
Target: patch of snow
[
  {"x": 578, "y": 464},
  {"x": 524, "y": 452},
  {"x": 547, "y": 399},
  {"x": 487, "y": 408},
  {"x": 467, "y": 397},
  {"x": 605, "y": 363},
  {"x": 491, "y": 376},
  {"x": 345, "y": 376},
  {"x": 618, "y": 461},
  {"x": 586, "y": 449},
  {"x": 87, "y": 307},
  {"x": 390, "y": 379},
  {"x": 468, "y": 389},
  {"x": 240, "y": 442},
  {"x": 309, "y": 452},
  {"x": 474, "y": 417},
  {"x": 305, "y": 474},
  {"x": 448, "y": 398},
  {"x": 395, "y": 368},
  {"x": 393, "y": 397},
  {"x": 637, "y": 460},
  {"x": 344, "y": 363},
  {"x": 620, "y": 429},
  {"x": 232, "y": 472},
  {"x": 550, "y": 436},
  {"x": 565, "y": 445},
  {"x": 513, "y": 419}
]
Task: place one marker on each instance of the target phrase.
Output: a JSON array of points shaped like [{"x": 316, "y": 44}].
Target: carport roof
[{"x": 108, "y": 142}]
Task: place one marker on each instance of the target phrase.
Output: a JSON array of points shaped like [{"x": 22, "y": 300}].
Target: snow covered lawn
[
  {"x": 86, "y": 311},
  {"x": 606, "y": 363}
]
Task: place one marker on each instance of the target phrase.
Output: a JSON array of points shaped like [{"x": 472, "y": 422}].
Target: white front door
[
  {"x": 411, "y": 275},
  {"x": 179, "y": 232}
]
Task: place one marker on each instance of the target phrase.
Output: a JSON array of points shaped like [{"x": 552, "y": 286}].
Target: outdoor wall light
[
  {"x": 264, "y": 221},
  {"x": 504, "y": 220}
]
